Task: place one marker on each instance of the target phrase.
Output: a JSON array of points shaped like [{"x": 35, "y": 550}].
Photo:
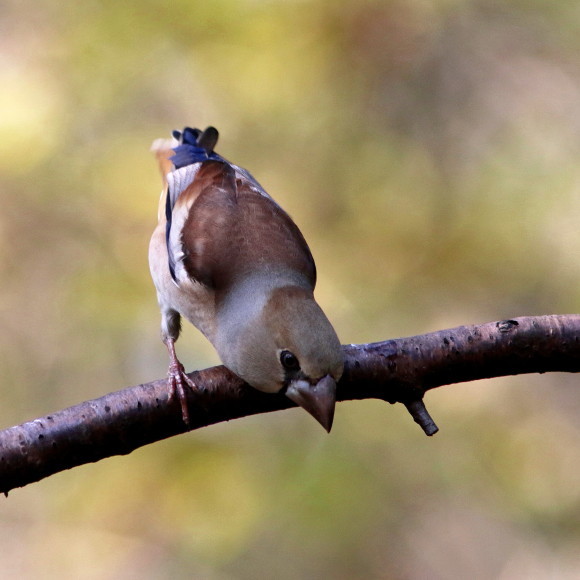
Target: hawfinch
[{"x": 230, "y": 260}]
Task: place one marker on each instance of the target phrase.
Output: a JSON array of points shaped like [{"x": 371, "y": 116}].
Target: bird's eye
[{"x": 289, "y": 361}]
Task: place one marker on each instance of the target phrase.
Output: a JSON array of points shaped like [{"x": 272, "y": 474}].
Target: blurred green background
[{"x": 429, "y": 151}]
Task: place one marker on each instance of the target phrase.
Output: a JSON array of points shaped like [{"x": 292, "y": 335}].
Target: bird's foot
[{"x": 177, "y": 381}]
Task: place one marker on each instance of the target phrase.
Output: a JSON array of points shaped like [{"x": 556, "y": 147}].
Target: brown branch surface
[{"x": 398, "y": 370}]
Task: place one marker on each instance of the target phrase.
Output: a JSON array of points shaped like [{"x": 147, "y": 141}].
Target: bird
[{"x": 226, "y": 257}]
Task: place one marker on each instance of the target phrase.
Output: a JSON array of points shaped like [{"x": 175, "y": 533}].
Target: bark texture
[{"x": 399, "y": 370}]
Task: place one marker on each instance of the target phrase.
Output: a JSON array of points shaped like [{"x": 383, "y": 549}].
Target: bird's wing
[
  {"x": 268, "y": 235},
  {"x": 223, "y": 229},
  {"x": 220, "y": 222},
  {"x": 203, "y": 220}
]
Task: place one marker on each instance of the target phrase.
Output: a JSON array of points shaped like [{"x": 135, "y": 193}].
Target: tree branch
[{"x": 400, "y": 370}]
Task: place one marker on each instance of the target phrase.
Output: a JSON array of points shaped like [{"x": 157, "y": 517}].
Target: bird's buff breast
[{"x": 192, "y": 300}]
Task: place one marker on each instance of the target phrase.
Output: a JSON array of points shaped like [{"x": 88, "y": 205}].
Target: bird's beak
[{"x": 318, "y": 399}]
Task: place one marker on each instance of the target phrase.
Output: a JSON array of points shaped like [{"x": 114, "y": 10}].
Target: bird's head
[{"x": 286, "y": 344}]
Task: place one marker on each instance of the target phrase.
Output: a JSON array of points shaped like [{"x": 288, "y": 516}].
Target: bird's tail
[
  {"x": 195, "y": 146},
  {"x": 186, "y": 147}
]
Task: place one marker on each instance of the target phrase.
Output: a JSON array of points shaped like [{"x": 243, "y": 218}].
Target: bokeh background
[{"x": 429, "y": 151}]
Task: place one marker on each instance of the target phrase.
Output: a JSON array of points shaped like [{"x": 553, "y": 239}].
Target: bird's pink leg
[{"x": 177, "y": 379}]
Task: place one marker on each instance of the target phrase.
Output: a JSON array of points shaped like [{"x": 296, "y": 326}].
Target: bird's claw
[{"x": 177, "y": 380}]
